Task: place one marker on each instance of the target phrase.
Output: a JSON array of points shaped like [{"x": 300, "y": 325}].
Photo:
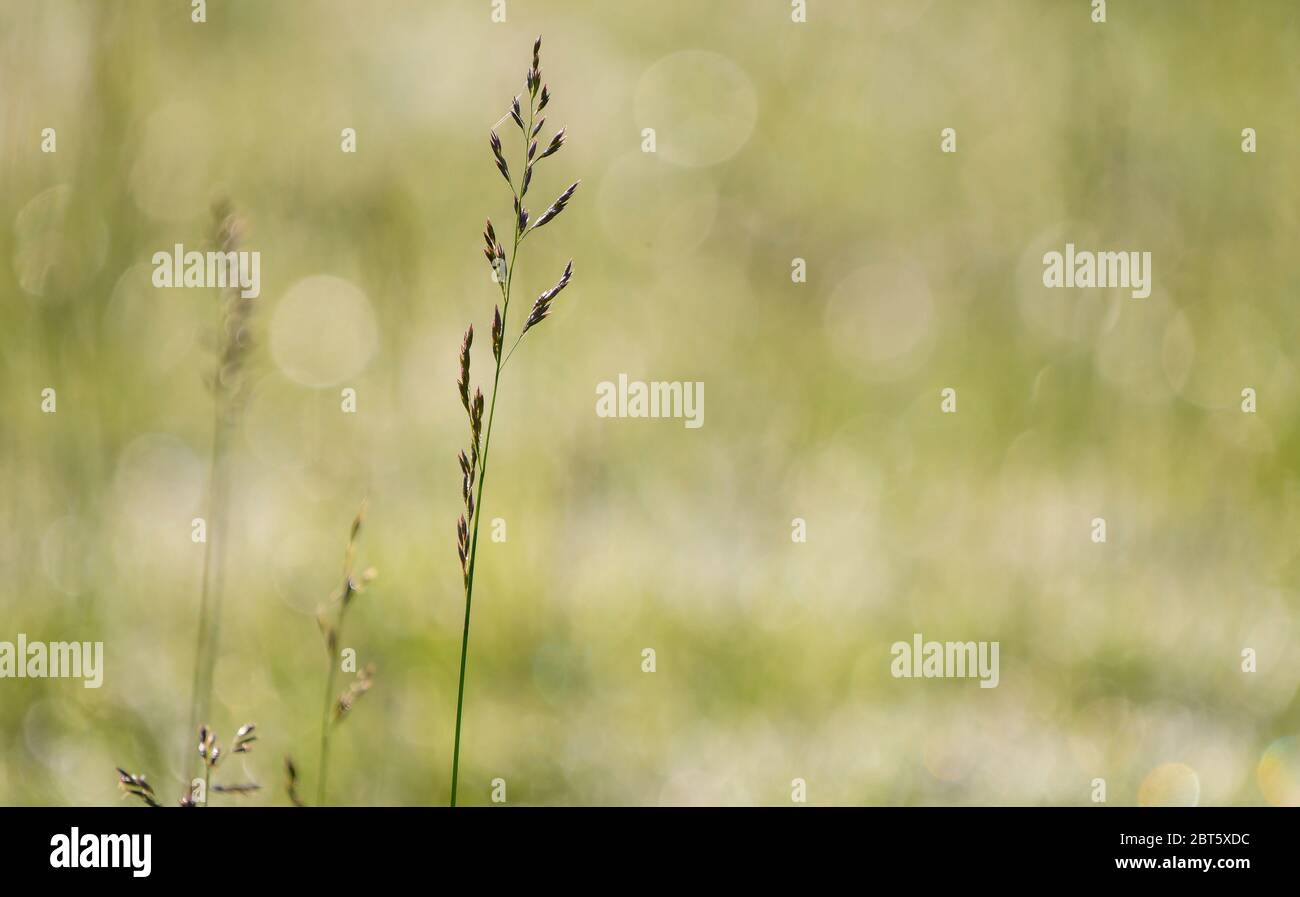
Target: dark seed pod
[
  {"x": 463, "y": 383},
  {"x": 462, "y": 539},
  {"x": 556, "y": 142},
  {"x": 558, "y": 206},
  {"x": 542, "y": 305},
  {"x": 495, "y": 142}
]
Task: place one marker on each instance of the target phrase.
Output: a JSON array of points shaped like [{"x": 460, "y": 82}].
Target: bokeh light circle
[
  {"x": 656, "y": 213},
  {"x": 323, "y": 331},
  {"x": 702, "y": 106},
  {"x": 1170, "y": 785},
  {"x": 880, "y": 317},
  {"x": 1278, "y": 772}
]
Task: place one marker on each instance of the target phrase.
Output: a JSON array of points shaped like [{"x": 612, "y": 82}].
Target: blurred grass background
[{"x": 775, "y": 141}]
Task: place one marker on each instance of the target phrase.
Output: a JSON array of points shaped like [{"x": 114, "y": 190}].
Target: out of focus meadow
[{"x": 775, "y": 141}]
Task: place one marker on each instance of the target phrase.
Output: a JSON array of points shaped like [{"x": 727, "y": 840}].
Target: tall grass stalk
[
  {"x": 337, "y": 708},
  {"x": 474, "y": 466},
  {"x": 227, "y": 383}
]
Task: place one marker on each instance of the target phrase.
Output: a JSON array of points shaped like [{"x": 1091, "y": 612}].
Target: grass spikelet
[
  {"x": 136, "y": 786},
  {"x": 210, "y": 755}
]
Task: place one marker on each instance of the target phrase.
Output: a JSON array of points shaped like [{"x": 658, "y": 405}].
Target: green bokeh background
[{"x": 775, "y": 141}]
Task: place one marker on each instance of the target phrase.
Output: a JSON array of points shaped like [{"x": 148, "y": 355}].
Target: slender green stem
[
  {"x": 482, "y": 477},
  {"x": 233, "y": 315},
  {"x": 473, "y": 551},
  {"x": 518, "y": 339},
  {"x": 326, "y": 724},
  {"x": 210, "y": 588},
  {"x": 323, "y": 775},
  {"x": 196, "y": 690}
]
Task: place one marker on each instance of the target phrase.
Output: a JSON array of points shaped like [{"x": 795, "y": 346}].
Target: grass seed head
[
  {"x": 495, "y": 142},
  {"x": 497, "y": 332},
  {"x": 463, "y": 383},
  {"x": 558, "y": 206},
  {"x": 556, "y": 142},
  {"x": 542, "y": 305},
  {"x": 291, "y": 781},
  {"x": 137, "y": 787}
]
